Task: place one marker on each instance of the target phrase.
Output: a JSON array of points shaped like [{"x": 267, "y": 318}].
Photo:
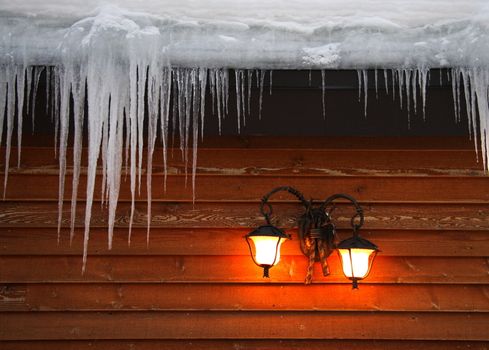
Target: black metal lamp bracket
[
  {"x": 317, "y": 233},
  {"x": 358, "y": 210}
]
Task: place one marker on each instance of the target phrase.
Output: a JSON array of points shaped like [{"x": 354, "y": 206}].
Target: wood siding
[{"x": 426, "y": 205}]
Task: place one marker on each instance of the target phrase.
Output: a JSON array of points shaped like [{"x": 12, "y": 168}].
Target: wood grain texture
[
  {"x": 238, "y": 161},
  {"x": 426, "y": 204},
  {"x": 405, "y": 216},
  {"x": 309, "y": 142},
  {"x": 206, "y": 269},
  {"x": 236, "y": 297},
  {"x": 218, "y": 241},
  {"x": 252, "y": 188},
  {"x": 282, "y": 344},
  {"x": 244, "y": 325}
]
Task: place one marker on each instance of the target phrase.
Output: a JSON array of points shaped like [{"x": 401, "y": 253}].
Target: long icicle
[
  {"x": 11, "y": 77},
  {"x": 78, "y": 115},
  {"x": 66, "y": 80}
]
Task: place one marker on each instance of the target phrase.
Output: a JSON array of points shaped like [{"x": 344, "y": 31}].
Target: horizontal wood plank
[
  {"x": 309, "y": 142},
  {"x": 282, "y": 344},
  {"x": 245, "y": 325},
  {"x": 403, "y": 216},
  {"x": 235, "y": 297},
  {"x": 205, "y": 269},
  {"x": 236, "y": 161},
  {"x": 215, "y": 241},
  {"x": 245, "y": 187}
]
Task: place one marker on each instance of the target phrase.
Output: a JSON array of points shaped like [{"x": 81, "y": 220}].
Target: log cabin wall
[{"x": 195, "y": 286}]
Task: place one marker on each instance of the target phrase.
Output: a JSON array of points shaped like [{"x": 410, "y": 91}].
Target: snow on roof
[{"x": 253, "y": 34}]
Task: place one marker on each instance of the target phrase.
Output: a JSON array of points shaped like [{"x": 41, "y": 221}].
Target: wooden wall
[{"x": 195, "y": 286}]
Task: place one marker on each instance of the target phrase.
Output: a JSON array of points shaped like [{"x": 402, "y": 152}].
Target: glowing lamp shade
[
  {"x": 267, "y": 241},
  {"x": 266, "y": 250},
  {"x": 357, "y": 256},
  {"x": 356, "y": 262}
]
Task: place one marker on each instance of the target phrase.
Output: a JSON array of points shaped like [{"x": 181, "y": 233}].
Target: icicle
[
  {"x": 362, "y": 76},
  {"x": 174, "y": 112},
  {"x": 468, "y": 106},
  {"x": 220, "y": 99},
  {"x": 262, "y": 81},
  {"x": 165, "y": 95},
  {"x": 407, "y": 83},
  {"x": 359, "y": 78},
  {"x": 479, "y": 86},
  {"x": 55, "y": 107},
  {"x": 65, "y": 88},
  {"x": 242, "y": 79},
  {"x": 257, "y": 73},
  {"x": 365, "y": 88},
  {"x": 393, "y": 77},
  {"x": 467, "y": 101},
  {"x": 270, "y": 81},
  {"x": 250, "y": 82},
  {"x": 3, "y": 98},
  {"x": 154, "y": 85},
  {"x": 141, "y": 86},
  {"x": 423, "y": 82},
  {"x": 458, "y": 94},
  {"x": 78, "y": 89},
  {"x": 400, "y": 81},
  {"x": 28, "y": 88},
  {"x": 455, "y": 79},
  {"x": 239, "y": 101},
  {"x": 195, "y": 125},
  {"x": 323, "y": 92},
  {"x": 181, "y": 90},
  {"x": 133, "y": 127},
  {"x": 114, "y": 121},
  {"x": 474, "y": 112},
  {"x": 415, "y": 89},
  {"x": 225, "y": 90},
  {"x": 127, "y": 141},
  {"x": 105, "y": 145},
  {"x": 188, "y": 77},
  {"x": 203, "y": 74},
  {"x": 218, "y": 84},
  {"x": 385, "y": 82},
  {"x": 48, "y": 88},
  {"x": 212, "y": 89},
  {"x": 21, "y": 77},
  {"x": 11, "y": 75},
  {"x": 97, "y": 98},
  {"x": 37, "y": 76}
]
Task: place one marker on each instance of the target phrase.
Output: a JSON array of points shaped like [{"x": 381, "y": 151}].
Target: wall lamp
[{"x": 317, "y": 235}]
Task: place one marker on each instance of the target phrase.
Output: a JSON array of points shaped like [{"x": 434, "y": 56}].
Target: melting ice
[{"x": 128, "y": 62}]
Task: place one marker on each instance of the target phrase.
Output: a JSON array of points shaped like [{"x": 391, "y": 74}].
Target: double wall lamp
[{"x": 317, "y": 235}]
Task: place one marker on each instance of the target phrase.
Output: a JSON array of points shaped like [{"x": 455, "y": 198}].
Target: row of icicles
[{"x": 168, "y": 101}]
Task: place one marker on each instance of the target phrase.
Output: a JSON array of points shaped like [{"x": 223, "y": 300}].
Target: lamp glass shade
[
  {"x": 356, "y": 262},
  {"x": 267, "y": 249}
]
